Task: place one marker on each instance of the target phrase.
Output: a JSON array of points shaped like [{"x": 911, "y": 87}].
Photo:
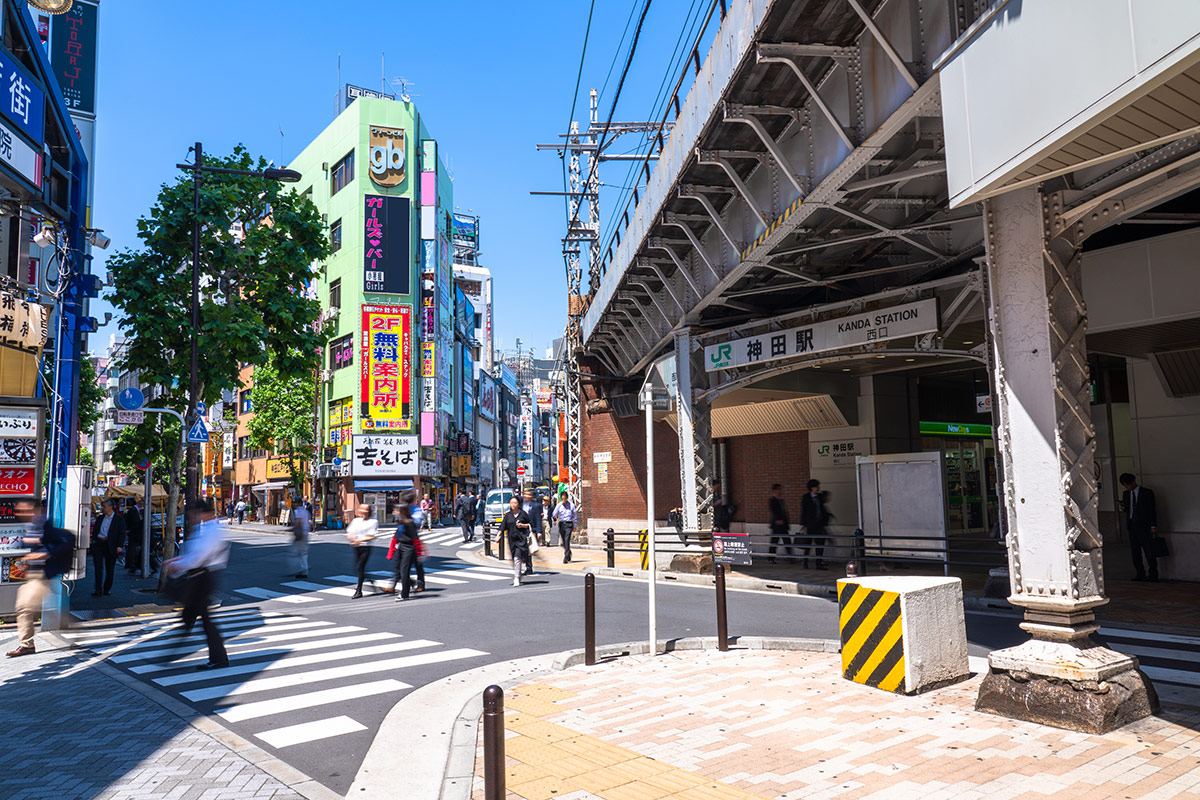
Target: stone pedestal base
[{"x": 1090, "y": 689}]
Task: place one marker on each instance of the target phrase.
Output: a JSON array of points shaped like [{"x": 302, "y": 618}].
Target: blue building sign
[{"x": 22, "y": 101}]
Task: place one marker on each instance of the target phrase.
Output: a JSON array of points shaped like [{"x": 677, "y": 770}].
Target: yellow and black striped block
[{"x": 872, "y": 637}]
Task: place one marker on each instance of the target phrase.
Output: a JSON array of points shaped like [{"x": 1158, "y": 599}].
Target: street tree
[
  {"x": 284, "y": 418},
  {"x": 260, "y": 247}
]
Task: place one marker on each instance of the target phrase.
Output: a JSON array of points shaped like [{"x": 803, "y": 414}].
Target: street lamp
[{"x": 197, "y": 168}]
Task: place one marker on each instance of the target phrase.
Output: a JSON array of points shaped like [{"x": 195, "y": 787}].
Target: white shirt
[
  {"x": 206, "y": 548},
  {"x": 564, "y": 512},
  {"x": 105, "y": 524},
  {"x": 1133, "y": 500},
  {"x": 361, "y": 531}
]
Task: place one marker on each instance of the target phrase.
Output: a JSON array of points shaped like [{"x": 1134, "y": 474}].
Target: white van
[{"x": 494, "y": 510}]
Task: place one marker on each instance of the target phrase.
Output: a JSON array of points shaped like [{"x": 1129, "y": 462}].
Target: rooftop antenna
[
  {"x": 382, "y": 75},
  {"x": 404, "y": 84}
]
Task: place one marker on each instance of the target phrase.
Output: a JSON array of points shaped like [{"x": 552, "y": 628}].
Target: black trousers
[
  {"x": 200, "y": 591},
  {"x": 1139, "y": 545},
  {"x": 468, "y": 528},
  {"x": 133, "y": 554},
  {"x": 780, "y": 536},
  {"x": 813, "y": 542},
  {"x": 104, "y": 565},
  {"x": 406, "y": 556},
  {"x": 564, "y": 538},
  {"x": 361, "y": 553}
]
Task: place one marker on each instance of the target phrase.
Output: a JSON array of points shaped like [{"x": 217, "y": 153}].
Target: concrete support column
[
  {"x": 1059, "y": 677},
  {"x": 695, "y": 436}
]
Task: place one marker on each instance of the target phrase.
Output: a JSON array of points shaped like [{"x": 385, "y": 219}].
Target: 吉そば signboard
[
  {"x": 387, "y": 253},
  {"x": 386, "y": 357},
  {"x": 384, "y": 454}
]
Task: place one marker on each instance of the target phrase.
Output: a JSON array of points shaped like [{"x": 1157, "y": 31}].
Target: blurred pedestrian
[
  {"x": 241, "y": 511},
  {"x": 814, "y": 517},
  {"x": 564, "y": 515},
  {"x": 464, "y": 511},
  {"x": 547, "y": 515},
  {"x": 517, "y": 528},
  {"x": 361, "y": 532},
  {"x": 533, "y": 509},
  {"x": 134, "y": 524},
  {"x": 205, "y": 554},
  {"x": 481, "y": 515},
  {"x": 406, "y": 538},
  {"x": 301, "y": 528},
  {"x": 108, "y": 542},
  {"x": 426, "y": 513},
  {"x": 53, "y": 549},
  {"x": 1141, "y": 516},
  {"x": 777, "y": 513},
  {"x": 723, "y": 510}
]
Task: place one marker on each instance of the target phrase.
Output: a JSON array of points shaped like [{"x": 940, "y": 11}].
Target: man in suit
[
  {"x": 814, "y": 517},
  {"x": 533, "y": 508},
  {"x": 1141, "y": 515},
  {"x": 108, "y": 542},
  {"x": 464, "y": 512},
  {"x": 777, "y": 514}
]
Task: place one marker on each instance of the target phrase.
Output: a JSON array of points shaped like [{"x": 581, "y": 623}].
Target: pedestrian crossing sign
[{"x": 198, "y": 433}]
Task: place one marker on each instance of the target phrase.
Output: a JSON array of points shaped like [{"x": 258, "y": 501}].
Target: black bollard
[
  {"x": 493, "y": 743},
  {"x": 722, "y": 620},
  {"x": 610, "y": 547},
  {"x": 589, "y": 619}
]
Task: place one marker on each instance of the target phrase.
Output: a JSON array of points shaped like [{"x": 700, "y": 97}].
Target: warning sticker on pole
[{"x": 731, "y": 548}]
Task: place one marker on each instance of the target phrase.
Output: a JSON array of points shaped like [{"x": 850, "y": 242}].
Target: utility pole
[{"x": 597, "y": 139}]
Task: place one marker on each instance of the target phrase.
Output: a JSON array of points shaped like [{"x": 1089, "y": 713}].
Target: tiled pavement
[
  {"x": 72, "y": 730},
  {"x": 747, "y": 725}
]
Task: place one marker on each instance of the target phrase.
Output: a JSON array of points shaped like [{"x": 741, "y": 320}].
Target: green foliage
[
  {"x": 252, "y": 297},
  {"x": 91, "y": 396},
  {"x": 156, "y": 439},
  {"x": 284, "y": 417}
]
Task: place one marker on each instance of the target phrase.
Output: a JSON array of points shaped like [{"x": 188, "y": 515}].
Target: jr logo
[
  {"x": 824, "y": 451},
  {"x": 722, "y": 357}
]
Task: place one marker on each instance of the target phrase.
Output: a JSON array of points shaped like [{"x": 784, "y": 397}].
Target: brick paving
[
  {"x": 71, "y": 731},
  {"x": 749, "y": 725}
]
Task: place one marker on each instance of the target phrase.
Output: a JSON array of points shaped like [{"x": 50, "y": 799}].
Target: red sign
[
  {"x": 15, "y": 482},
  {"x": 520, "y": 470}
]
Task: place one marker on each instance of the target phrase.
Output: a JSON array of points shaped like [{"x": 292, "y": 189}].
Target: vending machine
[{"x": 77, "y": 517}]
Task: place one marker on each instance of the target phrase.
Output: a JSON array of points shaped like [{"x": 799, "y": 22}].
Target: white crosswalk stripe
[
  {"x": 267, "y": 594},
  {"x": 309, "y": 586},
  {"x": 1171, "y": 660},
  {"x": 298, "y": 663}
]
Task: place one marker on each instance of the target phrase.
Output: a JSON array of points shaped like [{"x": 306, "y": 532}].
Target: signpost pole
[
  {"x": 651, "y": 573},
  {"x": 147, "y": 519}
]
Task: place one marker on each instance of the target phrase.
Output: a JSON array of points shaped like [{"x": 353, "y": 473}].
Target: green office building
[{"x": 385, "y": 393}]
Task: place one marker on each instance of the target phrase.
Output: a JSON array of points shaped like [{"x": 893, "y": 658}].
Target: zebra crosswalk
[
  {"x": 452, "y": 538},
  {"x": 1171, "y": 661},
  {"x": 283, "y": 670},
  {"x": 313, "y": 589}
]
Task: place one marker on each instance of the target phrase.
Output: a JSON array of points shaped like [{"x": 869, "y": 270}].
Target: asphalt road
[{"x": 314, "y": 672}]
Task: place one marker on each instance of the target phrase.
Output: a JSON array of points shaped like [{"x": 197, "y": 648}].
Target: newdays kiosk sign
[{"x": 896, "y": 322}]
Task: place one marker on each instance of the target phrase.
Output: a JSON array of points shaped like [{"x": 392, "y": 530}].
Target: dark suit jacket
[
  {"x": 1145, "y": 513},
  {"x": 116, "y": 535},
  {"x": 534, "y": 512},
  {"x": 812, "y": 514},
  {"x": 777, "y": 511},
  {"x": 134, "y": 526}
]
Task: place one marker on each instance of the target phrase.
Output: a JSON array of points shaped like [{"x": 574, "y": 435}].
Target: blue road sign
[
  {"x": 198, "y": 433},
  {"x": 337, "y": 462},
  {"x": 131, "y": 399},
  {"x": 201, "y": 407}
]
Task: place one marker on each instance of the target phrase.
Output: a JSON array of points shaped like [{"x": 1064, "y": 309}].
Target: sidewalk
[
  {"x": 76, "y": 729},
  {"x": 747, "y": 725},
  {"x": 1170, "y": 606}
]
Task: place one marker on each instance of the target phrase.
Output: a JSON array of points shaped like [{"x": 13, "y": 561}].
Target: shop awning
[
  {"x": 388, "y": 485},
  {"x": 263, "y": 487}
]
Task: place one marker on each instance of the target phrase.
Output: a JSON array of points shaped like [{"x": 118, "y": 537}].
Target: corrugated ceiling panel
[
  {"x": 1180, "y": 371},
  {"x": 777, "y": 416}
]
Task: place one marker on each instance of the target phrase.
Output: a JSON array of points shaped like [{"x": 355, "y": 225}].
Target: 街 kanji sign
[
  {"x": 386, "y": 359},
  {"x": 384, "y": 454}
]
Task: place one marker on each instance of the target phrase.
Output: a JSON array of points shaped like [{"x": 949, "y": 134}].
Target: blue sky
[{"x": 491, "y": 80}]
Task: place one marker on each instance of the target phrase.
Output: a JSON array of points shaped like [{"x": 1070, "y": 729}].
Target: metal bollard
[
  {"x": 589, "y": 619},
  {"x": 493, "y": 743},
  {"x": 851, "y": 569},
  {"x": 610, "y": 546},
  {"x": 722, "y": 619},
  {"x": 500, "y": 544},
  {"x": 487, "y": 542}
]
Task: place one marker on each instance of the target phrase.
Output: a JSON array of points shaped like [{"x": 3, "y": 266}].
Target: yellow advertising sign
[{"x": 387, "y": 151}]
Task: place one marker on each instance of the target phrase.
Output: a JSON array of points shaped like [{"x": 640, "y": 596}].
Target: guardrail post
[
  {"x": 487, "y": 541},
  {"x": 860, "y": 551},
  {"x": 722, "y": 619},
  {"x": 589, "y": 619},
  {"x": 500, "y": 544},
  {"x": 610, "y": 545},
  {"x": 493, "y": 743}
]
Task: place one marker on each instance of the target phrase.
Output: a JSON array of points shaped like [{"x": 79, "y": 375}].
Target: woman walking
[
  {"x": 361, "y": 531},
  {"x": 406, "y": 538},
  {"x": 516, "y": 527}
]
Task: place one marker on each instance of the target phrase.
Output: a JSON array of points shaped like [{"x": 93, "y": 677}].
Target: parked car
[{"x": 497, "y": 504}]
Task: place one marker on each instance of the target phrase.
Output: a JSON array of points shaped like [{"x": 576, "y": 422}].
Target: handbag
[
  {"x": 1158, "y": 547},
  {"x": 533, "y": 545}
]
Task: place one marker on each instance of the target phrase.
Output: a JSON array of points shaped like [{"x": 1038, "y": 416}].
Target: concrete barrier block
[{"x": 902, "y": 634}]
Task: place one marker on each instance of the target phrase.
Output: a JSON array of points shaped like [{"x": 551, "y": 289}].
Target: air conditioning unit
[{"x": 326, "y": 375}]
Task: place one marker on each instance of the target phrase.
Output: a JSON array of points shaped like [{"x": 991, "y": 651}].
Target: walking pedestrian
[
  {"x": 426, "y": 513},
  {"x": 564, "y": 515},
  {"x": 406, "y": 539},
  {"x": 481, "y": 515},
  {"x": 241, "y": 511},
  {"x": 464, "y": 509},
  {"x": 301, "y": 527},
  {"x": 814, "y": 517},
  {"x": 1141, "y": 514},
  {"x": 533, "y": 509},
  {"x": 723, "y": 510},
  {"x": 517, "y": 527},
  {"x": 134, "y": 533},
  {"x": 108, "y": 541},
  {"x": 361, "y": 532},
  {"x": 205, "y": 554},
  {"x": 52, "y": 549},
  {"x": 777, "y": 512},
  {"x": 547, "y": 516}
]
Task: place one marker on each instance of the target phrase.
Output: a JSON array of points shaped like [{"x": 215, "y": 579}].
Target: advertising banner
[
  {"x": 386, "y": 355},
  {"x": 545, "y": 399},
  {"x": 23, "y": 103},
  {"x": 487, "y": 396},
  {"x": 382, "y": 454},
  {"x": 910, "y": 319},
  {"x": 465, "y": 231},
  {"x": 227, "y": 450},
  {"x": 73, "y": 56},
  {"x": 17, "y": 481},
  {"x": 341, "y": 421},
  {"x": 387, "y": 254},
  {"x": 387, "y": 156},
  {"x": 22, "y": 158},
  {"x": 428, "y": 353},
  {"x": 468, "y": 390}
]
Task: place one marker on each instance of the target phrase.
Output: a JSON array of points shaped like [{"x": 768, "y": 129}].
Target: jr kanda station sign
[{"x": 895, "y": 322}]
